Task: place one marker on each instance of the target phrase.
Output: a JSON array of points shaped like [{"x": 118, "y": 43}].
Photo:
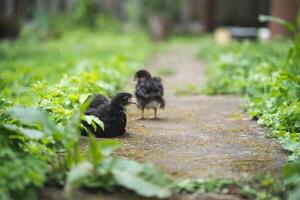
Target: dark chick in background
[
  {"x": 111, "y": 113},
  {"x": 149, "y": 92}
]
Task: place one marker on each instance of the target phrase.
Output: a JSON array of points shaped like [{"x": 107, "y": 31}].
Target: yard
[{"x": 230, "y": 129}]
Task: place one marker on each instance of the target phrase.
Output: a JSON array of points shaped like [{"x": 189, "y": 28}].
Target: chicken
[
  {"x": 111, "y": 113},
  {"x": 149, "y": 92}
]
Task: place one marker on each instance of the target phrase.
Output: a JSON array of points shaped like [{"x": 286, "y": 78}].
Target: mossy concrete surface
[{"x": 199, "y": 136}]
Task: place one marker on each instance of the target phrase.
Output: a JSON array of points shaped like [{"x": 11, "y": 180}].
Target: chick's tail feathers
[{"x": 162, "y": 103}]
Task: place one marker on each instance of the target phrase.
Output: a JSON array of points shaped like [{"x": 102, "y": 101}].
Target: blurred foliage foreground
[{"x": 268, "y": 74}]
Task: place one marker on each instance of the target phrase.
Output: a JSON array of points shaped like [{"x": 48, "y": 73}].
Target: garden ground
[{"x": 198, "y": 136}]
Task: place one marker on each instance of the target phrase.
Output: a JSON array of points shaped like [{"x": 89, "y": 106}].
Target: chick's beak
[{"x": 132, "y": 101}]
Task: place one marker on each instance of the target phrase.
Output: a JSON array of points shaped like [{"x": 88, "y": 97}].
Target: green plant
[
  {"x": 288, "y": 25},
  {"x": 292, "y": 174},
  {"x": 260, "y": 188},
  {"x": 20, "y": 174},
  {"x": 53, "y": 150},
  {"x": 42, "y": 145},
  {"x": 269, "y": 76},
  {"x": 99, "y": 61}
]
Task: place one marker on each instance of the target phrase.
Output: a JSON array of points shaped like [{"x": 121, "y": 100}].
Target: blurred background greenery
[{"x": 49, "y": 18}]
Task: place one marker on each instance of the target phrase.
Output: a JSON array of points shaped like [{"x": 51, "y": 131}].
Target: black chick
[
  {"x": 111, "y": 113},
  {"x": 149, "y": 92}
]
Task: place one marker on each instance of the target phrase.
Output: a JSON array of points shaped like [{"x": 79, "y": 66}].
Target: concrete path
[{"x": 199, "y": 136}]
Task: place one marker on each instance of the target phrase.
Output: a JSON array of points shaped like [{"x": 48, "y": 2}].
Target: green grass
[
  {"x": 25, "y": 62},
  {"x": 189, "y": 89},
  {"x": 165, "y": 71}
]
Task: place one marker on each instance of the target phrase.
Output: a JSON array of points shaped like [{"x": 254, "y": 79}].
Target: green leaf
[
  {"x": 83, "y": 98},
  {"x": 33, "y": 116},
  {"x": 92, "y": 120},
  {"x": 108, "y": 146},
  {"x": 98, "y": 149},
  {"x": 289, "y": 144},
  {"x": 292, "y": 173},
  {"x": 76, "y": 177},
  {"x": 139, "y": 185},
  {"x": 129, "y": 166},
  {"x": 30, "y": 133},
  {"x": 289, "y": 26},
  {"x": 127, "y": 174},
  {"x": 295, "y": 194},
  {"x": 72, "y": 130}
]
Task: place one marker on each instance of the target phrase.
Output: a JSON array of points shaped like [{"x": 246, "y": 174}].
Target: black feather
[
  {"x": 149, "y": 89},
  {"x": 111, "y": 113},
  {"x": 97, "y": 99}
]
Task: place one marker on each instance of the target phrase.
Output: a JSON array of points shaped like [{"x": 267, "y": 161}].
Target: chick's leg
[
  {"x": 155, "y": 113},
  {"x": 142, "y": 113}
]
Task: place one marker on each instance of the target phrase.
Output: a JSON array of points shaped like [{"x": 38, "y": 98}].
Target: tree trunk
[
  {"x": 208, "y": 15},
  {"x": 286, "y": 10},
  {"x": 21, "y": 8},
  {"x": 119, "y": 12}
]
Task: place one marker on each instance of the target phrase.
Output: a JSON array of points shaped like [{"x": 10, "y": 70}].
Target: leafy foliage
[
  {"x": 204, "y": 185},
  {"x": 260, "y": 188},
  {"x": 20, "y": 174},
  {"x": 32, "y": 74},
  {"x": 42, "y": 144},
  {"x": 288, "y": 25},
  {"x": 292, "y": 174},
  {"x": 99, "y": 61},
  {"x": 96, "y": 169},
  {"x": 268, "y": 74}
]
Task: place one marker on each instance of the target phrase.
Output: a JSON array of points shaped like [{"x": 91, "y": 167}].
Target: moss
[
  {"x": 187, "y": 90},
  {"x": 166, "y": 71},
  {"x": 236, "y": 116},
  {"x": 251, "y": 165}
]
